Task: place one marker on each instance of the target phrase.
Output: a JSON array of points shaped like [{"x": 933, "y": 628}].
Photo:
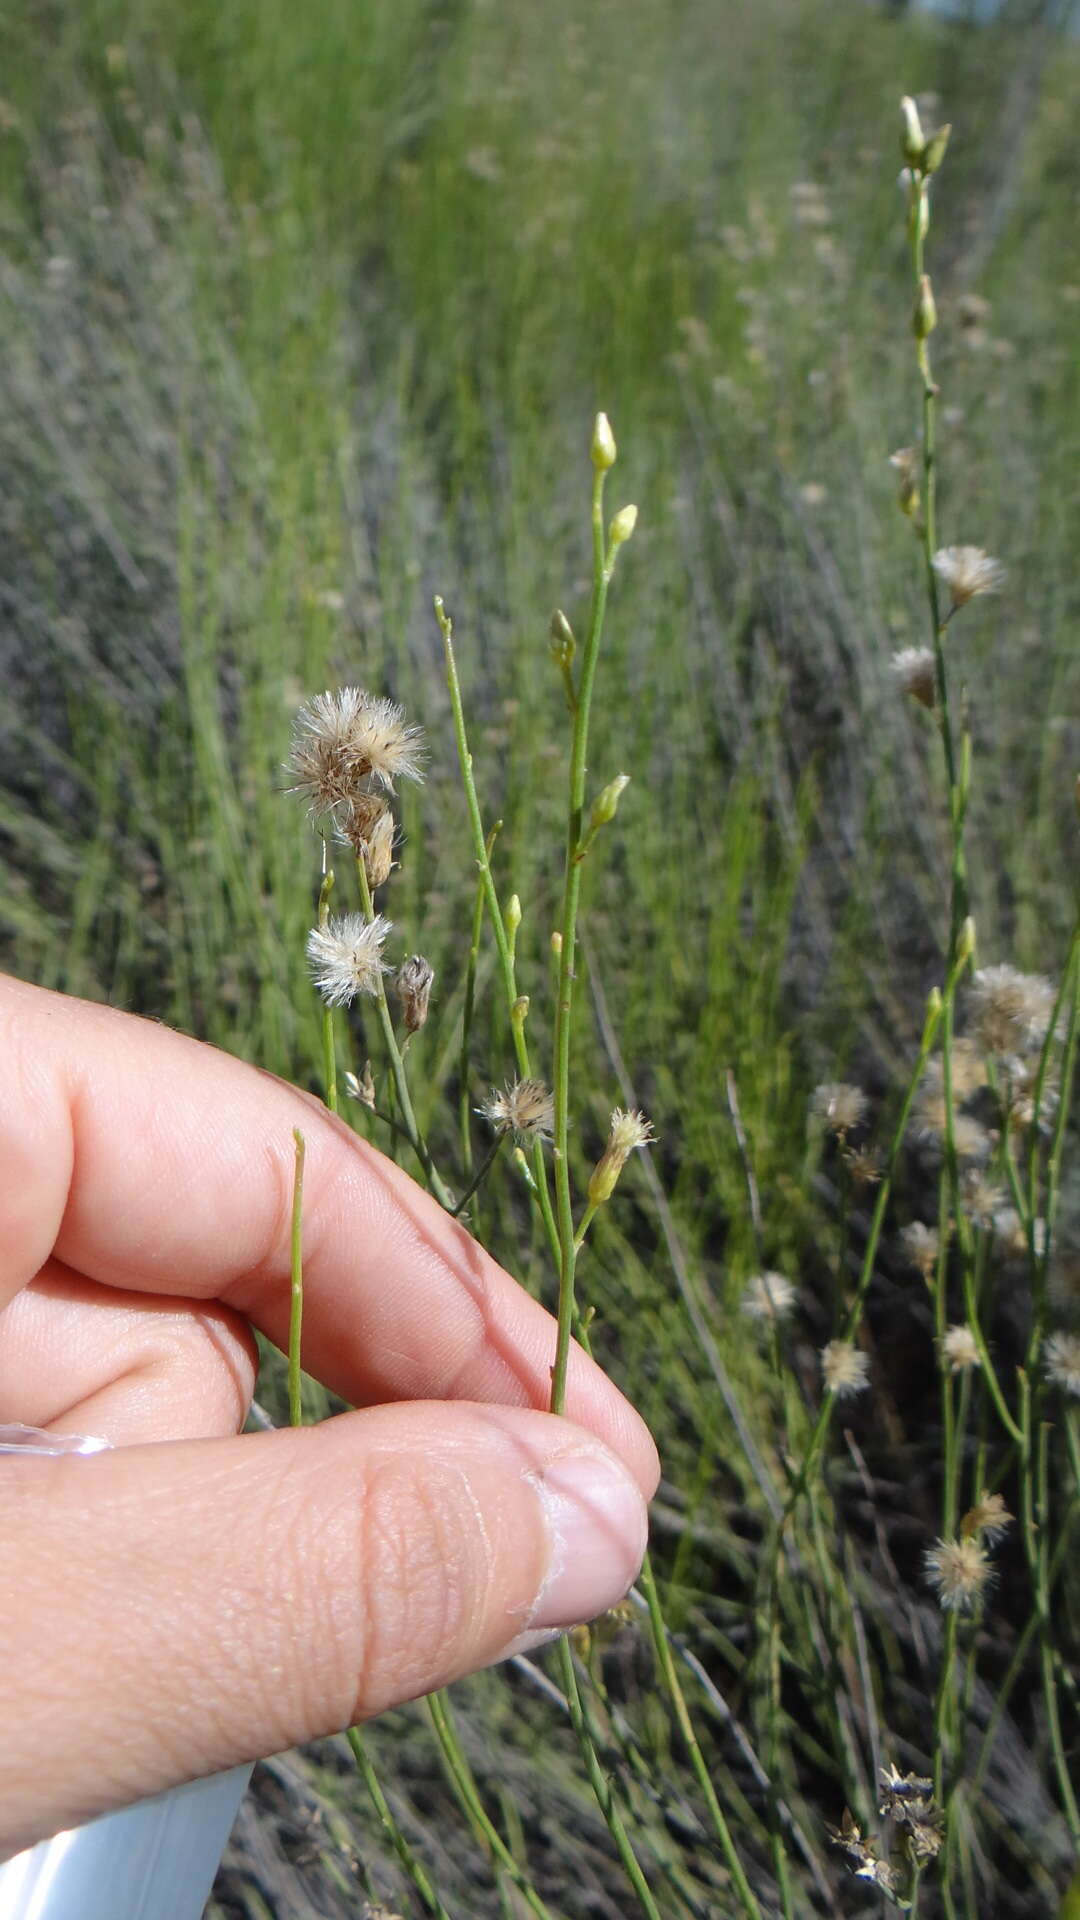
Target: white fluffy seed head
[
  {"x": 1061, "y": 1358},
  {"x": 845, "y": 1368},
  {"x": 345, "y": 957},
  {"x": 959, "y": 1349},
  {"x": 960, "y": 1572},
  {"x": 768, "y": 1296},
  {"x": 967, "y": 572}
]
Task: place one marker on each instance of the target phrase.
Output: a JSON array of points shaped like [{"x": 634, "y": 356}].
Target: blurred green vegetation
[{"x": 308, "y": 310}]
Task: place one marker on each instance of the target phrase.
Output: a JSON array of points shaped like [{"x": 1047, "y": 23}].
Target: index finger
[{"x": 144, "y": 1159}]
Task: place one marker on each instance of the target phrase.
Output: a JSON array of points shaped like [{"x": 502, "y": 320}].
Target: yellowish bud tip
[
  {"x": 912, "y": 138},
  {"x": 556, "y": 938},
  {"x": 965, "y": 945},
  {"x": 933, "y": 1003},
  {"x": 603, "y": 450},
  {"x": 513, "y": 915},
  {"x": 622, "y": 526},
  {"x": 519, "y": 1011}
]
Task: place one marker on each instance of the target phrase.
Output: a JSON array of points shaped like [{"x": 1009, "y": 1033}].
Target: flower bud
[
  {"x": 519, "y": 1012},
  {"x": 622, "y": 526},
  {"x": 935, "y": 150},
  {"x": 556, "y": 938},
  {"x": 413, "y": 982},
  {"x": 965, "y": 943},
  {"x": 603, "y": 452},
  {"x": 512, "y": 916},
  {"x": 912, "y": 138},
  {"x": 924, "y": 318},
  {"x": 562, "y": 638},
  {"x": 606, "y": 804}
]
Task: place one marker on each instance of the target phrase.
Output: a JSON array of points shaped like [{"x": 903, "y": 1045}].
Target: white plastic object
[{"x": 153, "y": 1861}]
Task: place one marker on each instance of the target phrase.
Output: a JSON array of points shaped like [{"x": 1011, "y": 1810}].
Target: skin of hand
[{"x": 196, "y": 1597}]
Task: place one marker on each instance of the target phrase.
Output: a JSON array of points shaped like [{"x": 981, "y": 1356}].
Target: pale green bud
[
  {"x": 562, "y": 638},
  {"x": 622, "y": 526},
  {"x": 935, "y": 150},
  {"x": 924, "y": 318},
  {"x": 965, "y": 944},
  {"x": 519, "y": 1012},
  {"x": 513, "y": 915},
  {"x": 606, "y": 804},
  {"x": 603, "y": 450}
]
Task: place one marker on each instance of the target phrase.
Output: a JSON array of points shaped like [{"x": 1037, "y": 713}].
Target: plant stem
[
  {"x": 481, "y": 851},
  {"x": 397, "y": 1065},
  {"x": 329, "y": 1049}
]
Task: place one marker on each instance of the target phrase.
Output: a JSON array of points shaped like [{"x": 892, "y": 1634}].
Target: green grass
[{"x": 308, "y": 311}]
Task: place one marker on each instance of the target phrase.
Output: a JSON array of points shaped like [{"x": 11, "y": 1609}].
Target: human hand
[{"x": 196, "y": 1597}]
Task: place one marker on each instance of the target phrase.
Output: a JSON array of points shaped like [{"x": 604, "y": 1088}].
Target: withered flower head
[
  {"x": 980, "y": 1199},
  {"x": 960, "y": 1571},
  {"x": 1010, "y": 1011},
  {"x": 768, "y": 1296},
  {"x": 959, "y": 1349},
  {"x": 343, "y": 740},
  {"x": 629, "y": 1129},
  {"x": 1061, "y": 1358},
  {"x": 846, "y": 1369},
  {"x": 413, "y": 981},
  {"x": 527, "y": 1108},
  {"x": 989, "y": 1519},
  {"x": 914, "y": 672},
  {"x": 367, "y": 825},
  {"x": 346, "y": 957},
  {"x": 841, "y": 1106},
  {"x": 967, "y": 571},
  {"x": 922, "y": 1246}
]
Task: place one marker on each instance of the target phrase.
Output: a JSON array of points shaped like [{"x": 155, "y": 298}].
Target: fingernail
[{"x": 598, "y": 1528}]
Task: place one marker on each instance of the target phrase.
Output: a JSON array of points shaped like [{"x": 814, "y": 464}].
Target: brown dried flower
[
  {"x": 526, "y": 1108},
  {"x": 914, "y": 672},
  {"x": 413, "y": 982}
]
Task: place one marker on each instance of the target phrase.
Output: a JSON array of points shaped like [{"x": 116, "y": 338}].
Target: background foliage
[{"x": 307, "y": 311}]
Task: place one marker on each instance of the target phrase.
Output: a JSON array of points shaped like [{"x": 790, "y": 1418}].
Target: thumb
[{"x": 174, "y": 1609}]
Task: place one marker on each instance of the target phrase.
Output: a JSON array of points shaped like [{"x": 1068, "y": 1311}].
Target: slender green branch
[
  {"x": 329, "y": 1048},
  {"x": 481, "y": 851},
  {"x": 397, "y": 1065}
]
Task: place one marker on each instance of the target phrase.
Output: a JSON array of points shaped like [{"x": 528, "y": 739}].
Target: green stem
[
  {"x": 464, "y": 1105},
  {"x": 391, "y": 1829},
  {"x": 397, "y": 1065},
  {"x": 481, "y": 851},
  {"x": 468, "y": 1792},
  {"x": 479, "y": 1176},
  {"x": 601, "y": 1784},
  {"x": 568, "y": 930},
  {"x": 666, "y": 1664},
  {"x": 329, "y": 1048}
]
